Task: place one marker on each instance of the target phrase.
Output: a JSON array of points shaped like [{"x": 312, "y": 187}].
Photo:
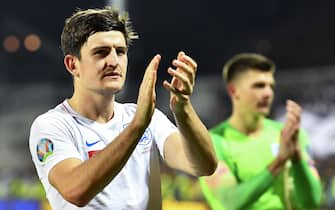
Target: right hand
[
  {"x": 146, "y": 100},
  {"x": 289, "y": 135}
]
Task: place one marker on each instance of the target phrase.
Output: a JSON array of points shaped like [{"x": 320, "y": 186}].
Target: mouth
[
  {"x": 263, "y": 104},
  {"x": 112, "y": 74}
]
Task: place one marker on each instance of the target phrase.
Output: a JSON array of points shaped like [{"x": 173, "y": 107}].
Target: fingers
[
  {"x": 185, "y": 69},
  {"x": 293, "y": 114},
  {"x": 150, "y": 75},
  {"x": 178, "y": 77},
  {"x": 186, "y": 65},
  {"x": 172, "y": 89},
  {"x": 294, "y": 109},
  {"x": 147, "y": 87},
  {"x": 147, "y": 96},
  {"x": 289, "y": 135},
  {"x": 185, "y": 58},
  {"x": 292, "y": 123},
  {"x": 153, "y": 65},
  {"x": 183, "y": 76}
]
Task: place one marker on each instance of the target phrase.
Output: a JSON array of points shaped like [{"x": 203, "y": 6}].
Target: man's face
[
  {"x": 254, "y": 92},
  {"x": 103, "y": 63}
]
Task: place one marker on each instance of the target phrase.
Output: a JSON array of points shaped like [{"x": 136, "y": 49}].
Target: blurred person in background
[
  {"x": 263, "y": 164},
  {"x": 91, "y": 152}
]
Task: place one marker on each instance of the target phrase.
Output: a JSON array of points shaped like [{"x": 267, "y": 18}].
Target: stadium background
[{"x": 297, "y": 35}]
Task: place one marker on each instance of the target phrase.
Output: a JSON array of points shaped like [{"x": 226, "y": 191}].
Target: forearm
[
  {"x": 84, "y": 181},
  {"x": 307, "y": 187},
  {"x": 197, "y": 142},
  {"x": 247, "y": 192},
  {"x": 277, "y": 165}
]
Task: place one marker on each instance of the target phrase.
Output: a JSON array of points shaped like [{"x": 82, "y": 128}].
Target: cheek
[
  {"x": 251, "y": 96},
  {"x": 247, "y": 100},
  {"x": 124, "y": 63}
]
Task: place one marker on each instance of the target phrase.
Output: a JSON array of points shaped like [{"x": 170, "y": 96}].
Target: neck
[
  {"x": 246, "y": 123},
  {"x": 97, "y": 107}
]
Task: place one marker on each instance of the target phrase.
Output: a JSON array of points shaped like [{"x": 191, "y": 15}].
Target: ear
[
  {"x": 231, "y": 89},
  {"x": 71, "y": 65}
]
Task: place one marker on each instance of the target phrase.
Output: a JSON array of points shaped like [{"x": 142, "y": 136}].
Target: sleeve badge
[{"x": 44, "y": 149}]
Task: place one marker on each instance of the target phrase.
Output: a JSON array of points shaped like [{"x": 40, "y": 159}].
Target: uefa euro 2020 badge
[{"x": 44, "y": 149}]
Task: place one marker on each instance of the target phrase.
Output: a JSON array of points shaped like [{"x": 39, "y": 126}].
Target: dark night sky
[{"x": 293, "y": 33}]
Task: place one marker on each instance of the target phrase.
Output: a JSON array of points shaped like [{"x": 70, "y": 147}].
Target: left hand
[{"x": 183, "y": 79}]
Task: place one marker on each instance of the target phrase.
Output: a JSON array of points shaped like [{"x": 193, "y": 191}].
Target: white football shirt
[{"x": 62, "y": 133}]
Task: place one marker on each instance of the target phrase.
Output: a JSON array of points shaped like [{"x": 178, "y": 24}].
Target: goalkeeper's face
[{"x": 255, "y": 92}]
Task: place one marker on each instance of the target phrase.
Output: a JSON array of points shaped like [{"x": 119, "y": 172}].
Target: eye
[
  {"x": 102, "y": 52},
  {"x": 259, "y": 85},
  {"x": 121, "y": 50}
]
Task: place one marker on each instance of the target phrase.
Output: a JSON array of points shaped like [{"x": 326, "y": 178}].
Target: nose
[
  {"x": 112, "y": 58},
  {"x": 268, "y": 92}
]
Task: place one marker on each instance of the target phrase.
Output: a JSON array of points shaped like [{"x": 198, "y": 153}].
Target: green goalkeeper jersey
[{"x": 247, "y": 159}]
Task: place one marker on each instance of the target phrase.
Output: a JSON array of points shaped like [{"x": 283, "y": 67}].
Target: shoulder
[
  {"x": 55, "y": 117},
  {"x": 50, "y": 125},
  {"x": 273, "y": 123},
  {"x": 219, "y": 130}
]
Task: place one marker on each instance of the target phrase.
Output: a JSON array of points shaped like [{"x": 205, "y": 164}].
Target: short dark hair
[
  {"x": 243, "y": 62},
  {"x": 84, "y": 23}
]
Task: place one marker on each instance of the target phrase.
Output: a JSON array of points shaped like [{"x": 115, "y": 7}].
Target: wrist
[
  {"x": 182, "y": 107},
  {"x": 277, "y": 165},
  {"x": 297, "y": 157}
]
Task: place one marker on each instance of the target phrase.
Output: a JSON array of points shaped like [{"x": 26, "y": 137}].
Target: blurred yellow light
[
  {"x": 32, "y": 42},
  {"x": 11, "y": 43}
]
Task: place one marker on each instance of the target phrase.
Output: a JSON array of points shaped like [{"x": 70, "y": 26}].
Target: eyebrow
[
  {"x": 108, "y": 47},
  {"x": 263, "y": 82}
]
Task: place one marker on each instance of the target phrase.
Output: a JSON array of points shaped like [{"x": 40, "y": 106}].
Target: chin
[
  {"x": 111, "y": 90},
  {"x": 264, "y": 112},
  {"x": 114, "y": 87}
]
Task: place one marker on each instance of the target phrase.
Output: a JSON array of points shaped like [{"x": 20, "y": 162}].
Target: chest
[
  {"x": 251, "y": 156},
  {"x": 91, "y": 140}
]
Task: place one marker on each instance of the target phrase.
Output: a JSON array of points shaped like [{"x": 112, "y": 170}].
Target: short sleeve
[
  {"x": 50, "y": 142},
  {"x": 162, "y": 127}
]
